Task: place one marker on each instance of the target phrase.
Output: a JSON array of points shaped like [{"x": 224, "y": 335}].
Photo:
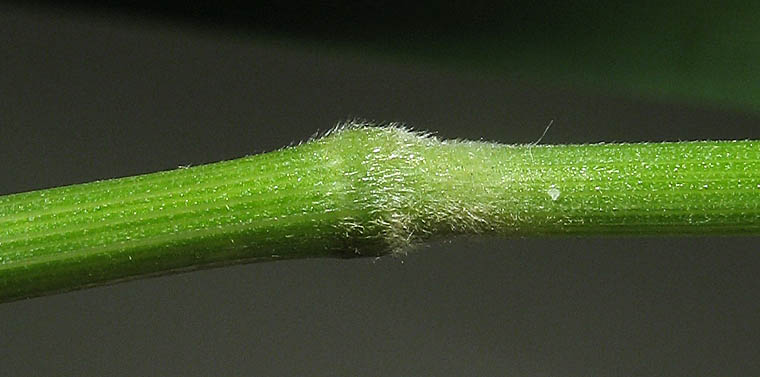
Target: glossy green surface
[{"x": 368, "y": 191}]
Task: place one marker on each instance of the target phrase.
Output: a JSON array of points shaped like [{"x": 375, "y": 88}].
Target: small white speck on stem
[{"x": 553, "y": 193}]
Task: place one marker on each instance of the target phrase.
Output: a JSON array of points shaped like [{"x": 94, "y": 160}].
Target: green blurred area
[
  {"x": 677, "y": 51},
  {"x": 682, "y": 51}
]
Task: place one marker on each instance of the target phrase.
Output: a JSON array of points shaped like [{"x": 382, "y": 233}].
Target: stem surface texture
[{"x": 368, "y": 191}]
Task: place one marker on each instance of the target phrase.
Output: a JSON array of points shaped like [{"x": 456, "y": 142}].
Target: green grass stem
[{"x": 368, "y": 191}]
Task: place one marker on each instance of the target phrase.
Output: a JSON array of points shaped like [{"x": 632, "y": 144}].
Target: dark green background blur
[{"x": 90, "y": 93}]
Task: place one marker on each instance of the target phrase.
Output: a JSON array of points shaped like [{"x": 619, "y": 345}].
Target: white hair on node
[{"x": 387, "y": 177}]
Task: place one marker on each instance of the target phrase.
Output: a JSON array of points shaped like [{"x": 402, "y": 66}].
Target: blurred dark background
[{"x": 93, "y": 92}]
